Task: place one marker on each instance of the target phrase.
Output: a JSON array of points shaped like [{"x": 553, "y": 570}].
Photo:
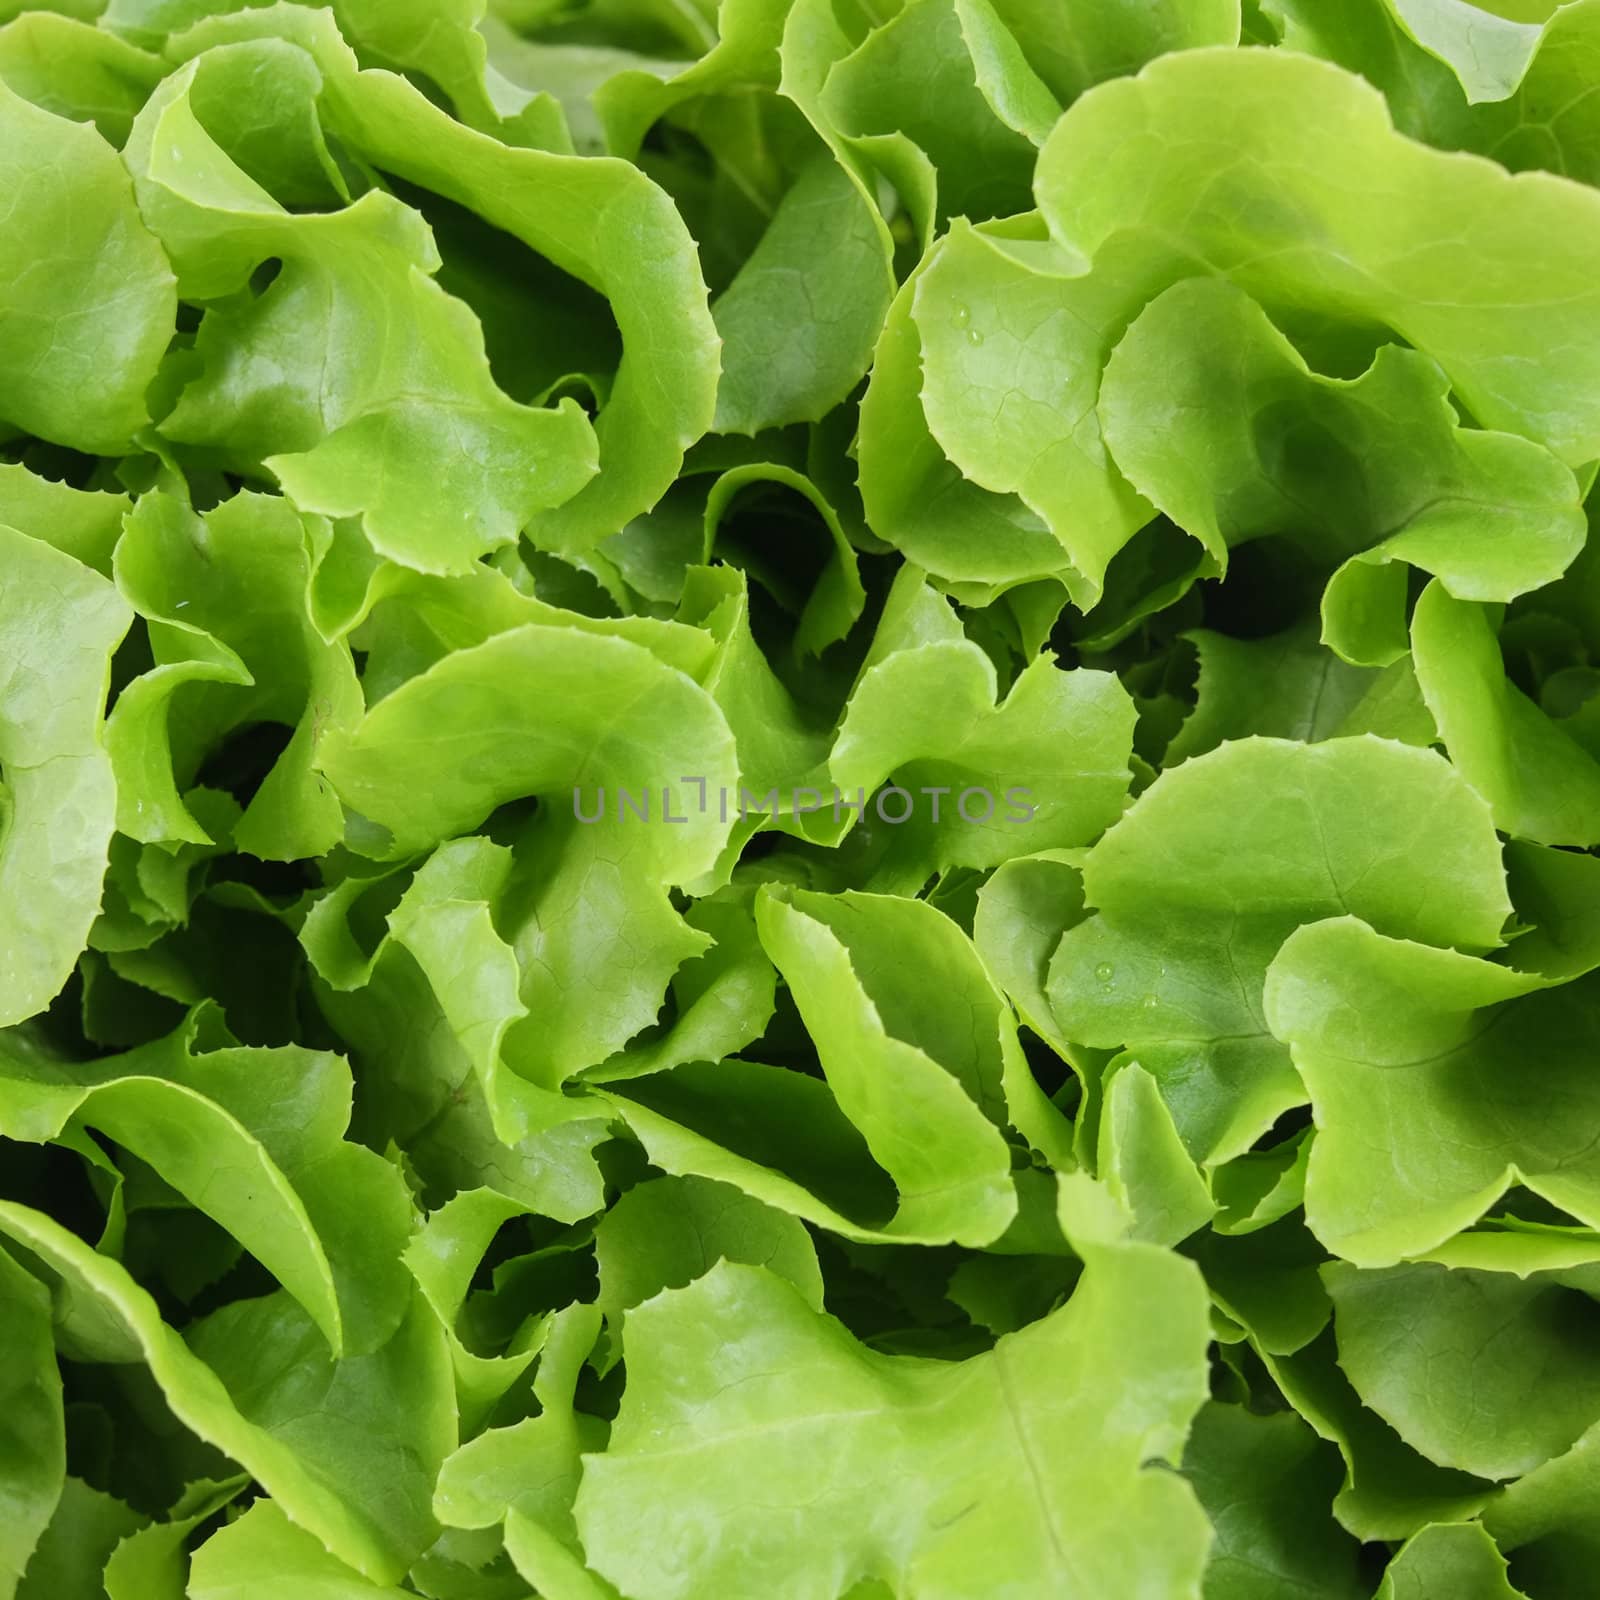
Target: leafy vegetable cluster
[{"x": 496, "y": 496}]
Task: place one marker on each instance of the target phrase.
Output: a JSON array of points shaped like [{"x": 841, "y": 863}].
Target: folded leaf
[
  {"x": 60, "y": 623},
  {"x": 1216, "y": 865},
  {"x": 1438, "y": 1081},
  {"x": 743, "y": 1401},
  {"x": 88, "y": 296}
]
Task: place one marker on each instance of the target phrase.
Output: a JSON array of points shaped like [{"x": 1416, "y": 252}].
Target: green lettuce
[{"x": 799, "y": 799}]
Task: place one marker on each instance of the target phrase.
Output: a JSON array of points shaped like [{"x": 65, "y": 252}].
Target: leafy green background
[{"x": 422, "y": 421}]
